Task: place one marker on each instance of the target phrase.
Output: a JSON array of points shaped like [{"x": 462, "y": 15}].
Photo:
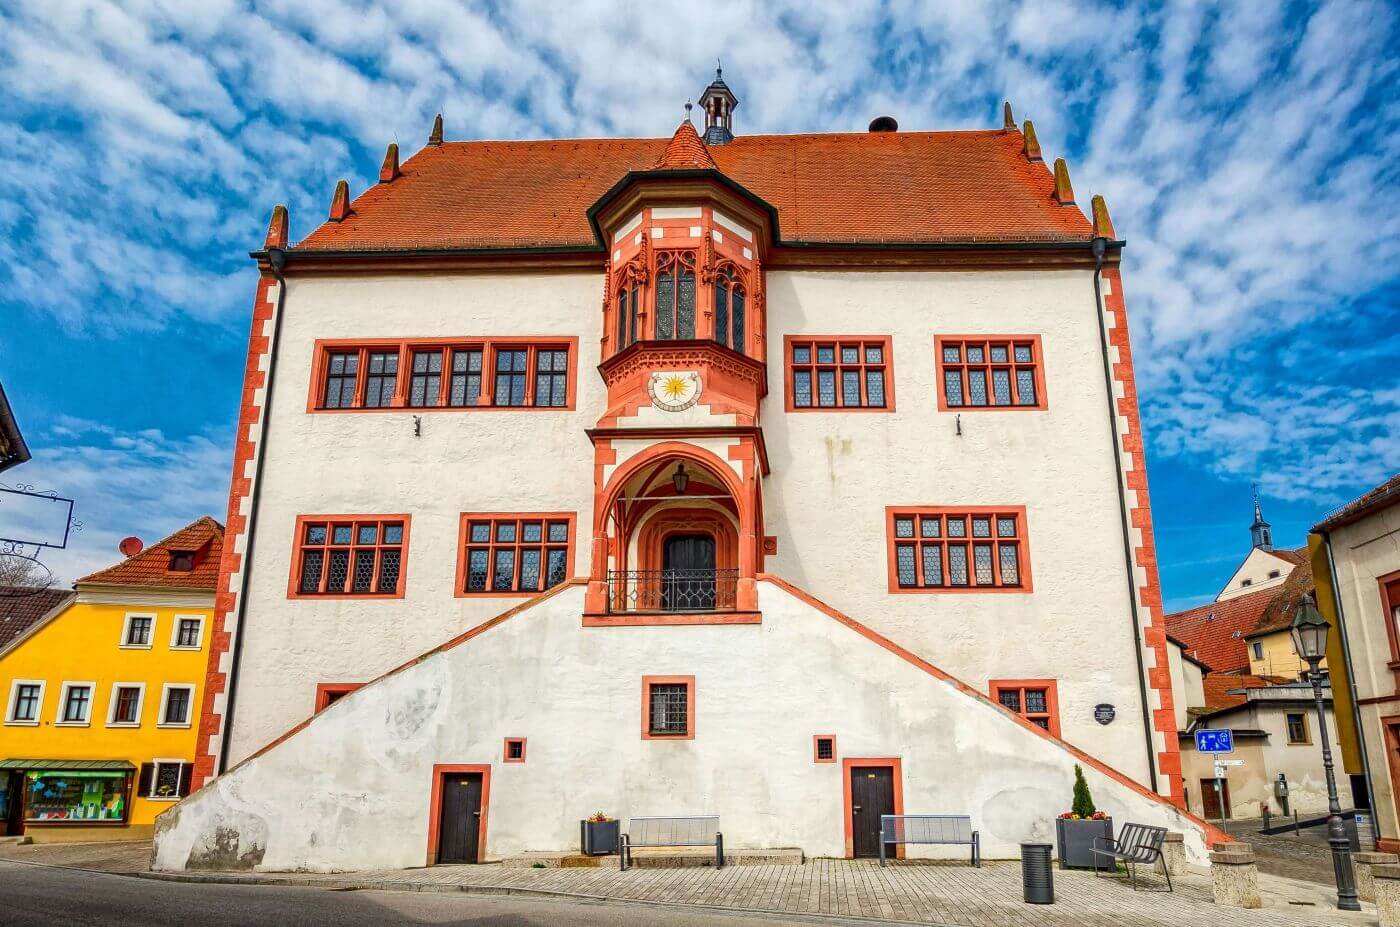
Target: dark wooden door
[
  {"x": 1210, "y": 799},
  {"x": 872, "y": 794},
  {"x": 460, "y": 824},
  {"x": 11, "y": 803},
  {"x": 688, "y": 573}
]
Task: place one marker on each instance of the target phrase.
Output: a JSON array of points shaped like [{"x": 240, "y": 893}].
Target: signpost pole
[{"x": 1220, "y": 790}]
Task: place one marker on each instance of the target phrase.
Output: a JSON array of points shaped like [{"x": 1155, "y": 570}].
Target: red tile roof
[
  {"x": 873, "y": 188},
  {"x": 1386, "y": 494},
  {"x": 685, "y": 151},
  {"x": 1217, "y": 685},
  {"x": 22, "y": 607},
  {"x": 1214, "y": 633},
  {"x": 151, "y": 567}
]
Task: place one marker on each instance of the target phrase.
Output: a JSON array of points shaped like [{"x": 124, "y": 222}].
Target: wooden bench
[
  {"x": 1136, "y": 843},
  {"x": 930, "y": 829},
  {"x": 693, "y": 831}
]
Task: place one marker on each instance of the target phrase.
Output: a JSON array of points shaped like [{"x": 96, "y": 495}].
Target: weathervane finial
[
  {"x": 687, "y": 110},
  {"x": 719, "y": 69}
]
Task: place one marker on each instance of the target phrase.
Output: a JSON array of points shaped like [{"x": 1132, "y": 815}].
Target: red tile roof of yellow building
[
  {"x": 151, "y": 567},
  {"x": 875, "y": 188}
]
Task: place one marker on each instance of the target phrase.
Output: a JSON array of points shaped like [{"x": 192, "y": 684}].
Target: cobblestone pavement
[
  {"x": 912, "y": 893},
  {"x": 1306, "y": 856}
]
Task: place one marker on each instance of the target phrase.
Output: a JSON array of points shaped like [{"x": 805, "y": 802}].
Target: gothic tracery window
[
  {"x": 730, "y": 297},
  {"x": 675, "y": 295}
]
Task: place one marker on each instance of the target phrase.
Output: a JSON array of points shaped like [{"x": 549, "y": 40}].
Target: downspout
[
  {"x": 1100, "y": 248},
  {"x": 276, "y": 259},
  {"x": 1351, "y": 684}
]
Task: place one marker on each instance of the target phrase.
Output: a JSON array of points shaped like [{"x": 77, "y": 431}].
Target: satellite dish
[{"x": 131, "y": 546}]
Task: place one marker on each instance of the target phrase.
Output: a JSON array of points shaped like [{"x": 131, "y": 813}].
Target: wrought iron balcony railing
[{"x": 671, "y": 590}]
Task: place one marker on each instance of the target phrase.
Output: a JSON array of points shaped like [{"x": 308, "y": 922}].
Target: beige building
[{"x": 1361, "y": 542}]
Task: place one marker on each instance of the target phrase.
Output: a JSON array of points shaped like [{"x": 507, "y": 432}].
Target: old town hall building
[{"x": 714, "y": 474}]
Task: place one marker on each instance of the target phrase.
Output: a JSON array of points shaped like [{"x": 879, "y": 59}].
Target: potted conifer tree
[{"x": 1076, "y": 829}]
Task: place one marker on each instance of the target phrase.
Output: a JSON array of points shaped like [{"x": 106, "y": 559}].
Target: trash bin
[{"x": 1037, "y": 879}]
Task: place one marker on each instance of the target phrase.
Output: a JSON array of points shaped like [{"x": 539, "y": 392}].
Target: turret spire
[
  {"x": 718, "y": 102},
  {"x": 1261, "y": 532}
]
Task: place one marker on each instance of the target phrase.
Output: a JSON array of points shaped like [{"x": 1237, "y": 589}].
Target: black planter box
[
  {"x": 598, "y": 838},
  {"x": 1075, "y": 841}
]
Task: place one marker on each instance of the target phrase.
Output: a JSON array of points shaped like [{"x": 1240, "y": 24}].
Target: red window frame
[
  {"x": 861, "y": 367},
  {"x": 1036, "y": 366},
  {"x": 689, "y": 683},
  {"x": 328, "y": 693},
  {"x": 968, "y": 540},
  {"x": 408, "y": 348},
  {"x": 1050, "y": 716},
  {"x": 465, "y": 545},
  {"x": 301, "y": 546},
  {"x": 506, "y": 750},
  {"x": 817, "y": 748}
]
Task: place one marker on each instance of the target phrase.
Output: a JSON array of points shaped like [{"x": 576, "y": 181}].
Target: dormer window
[
  {"x": 182, "y": 561},
  {"x": 675, "y": 295}
]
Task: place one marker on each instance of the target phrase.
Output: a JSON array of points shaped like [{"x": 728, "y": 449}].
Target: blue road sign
[{"x": 1215, "y": 742}]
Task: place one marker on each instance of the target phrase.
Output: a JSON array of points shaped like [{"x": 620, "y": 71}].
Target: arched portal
[{"x": 674, "y": 535}]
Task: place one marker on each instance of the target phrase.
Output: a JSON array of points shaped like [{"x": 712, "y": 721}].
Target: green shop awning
[{"x": 66, "y": 764}]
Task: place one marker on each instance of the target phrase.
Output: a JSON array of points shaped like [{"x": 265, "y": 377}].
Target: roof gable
[{"x": 203, "y": 538}]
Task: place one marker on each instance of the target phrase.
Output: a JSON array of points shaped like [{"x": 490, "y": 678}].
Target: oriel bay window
[
  {"x": 980, "y": 549},
  {"x": 444, "y": 374},
  {"x": 514, "y": 554},
  {"x": 990, "y": 372},
  {"x": 349, "y": 555},
  {"x": 845, "y": 373}
]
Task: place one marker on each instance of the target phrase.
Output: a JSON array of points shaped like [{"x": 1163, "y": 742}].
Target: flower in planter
[{"x": 598, "y": 817}]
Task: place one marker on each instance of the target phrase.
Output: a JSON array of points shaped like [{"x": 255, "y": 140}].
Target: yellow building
[{"x": 101, "y": 695}]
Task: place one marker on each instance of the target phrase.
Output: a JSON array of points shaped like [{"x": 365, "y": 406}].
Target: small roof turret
[{"x": 685, "y": 151}]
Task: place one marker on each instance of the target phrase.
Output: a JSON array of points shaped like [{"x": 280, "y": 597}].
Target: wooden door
[
  {"x": 1210, "y": 799},
  {"x": 459, "y": 826},
  {"x": 872, "y": 794},
  {"x": 688, "y": 573},
  {"x": 12, "y": 784}
]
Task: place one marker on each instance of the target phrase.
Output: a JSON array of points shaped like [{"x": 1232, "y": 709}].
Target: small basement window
[
  {"x": 824, "y": 748},
  {"x": 668, "y": 707},
  {"x": 515, "y": 750}
]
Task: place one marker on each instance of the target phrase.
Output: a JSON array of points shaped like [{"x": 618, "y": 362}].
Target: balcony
[{"x": 671, "y": 591}]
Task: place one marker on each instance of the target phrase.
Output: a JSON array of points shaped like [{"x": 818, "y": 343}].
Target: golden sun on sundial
[
  {"x": 673, "y": 386},
  {"x": 674, "y": 390}
]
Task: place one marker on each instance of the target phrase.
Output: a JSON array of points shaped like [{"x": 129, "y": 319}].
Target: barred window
[
  {"x": 824, "y": 748},
  {"x": 1034, "y": 699},
  {"x": 670, "y": 715},
  {"x": 514, "y": 554},
  {"x": 350, "y": 556},
  {"x": 993, "y": 372},
  {"x": 846, "y": 373},
  {"x": 946, "y": 550},
  {"x": 382, "y": 380}
]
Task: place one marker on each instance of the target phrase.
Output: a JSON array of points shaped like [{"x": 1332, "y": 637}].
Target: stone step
[{"x": 655, "y": 858}]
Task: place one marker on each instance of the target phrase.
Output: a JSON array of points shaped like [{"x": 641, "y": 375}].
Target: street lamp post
[{"x": 1310, "y": 641}]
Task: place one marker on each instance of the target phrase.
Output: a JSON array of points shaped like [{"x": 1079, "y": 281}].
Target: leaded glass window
[
  {"x": 342, "y": 375},
  {"x": 382, "y": 380},
  {"x": 466, "y": 377},
  {"x": 992, "y": 372},
  {"x": 511, "y": 376},
  {"x": 351, "y": 557},
  {"x": 425, "y": 384},
  {"x": 1035, "y": 703},
  {"x": 675, "y": 295},
  {"x": 729, "y": 308},
  {"x": 551, "y": 378},
  {"x": 847, "y": 374},
  {"x": 932, "y": 549},
  {"x": 515, "y": 554},
  {"x": 1010, "y": 698}
]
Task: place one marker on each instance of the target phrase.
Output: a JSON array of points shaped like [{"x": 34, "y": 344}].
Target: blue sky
[{"x": 1248, "y": 153}]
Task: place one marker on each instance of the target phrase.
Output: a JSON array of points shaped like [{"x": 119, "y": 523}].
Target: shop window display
[{"x": 58, "y": 795}]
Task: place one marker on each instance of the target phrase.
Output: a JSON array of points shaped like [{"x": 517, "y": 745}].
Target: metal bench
[
  {"x": 946, "y": 829},
  {"x": 699, "y": 831},
  {"x": 1136, "y": 843}
]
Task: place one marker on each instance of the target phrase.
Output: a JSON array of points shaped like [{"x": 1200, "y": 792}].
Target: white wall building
[{"x": 830, "y": 442}]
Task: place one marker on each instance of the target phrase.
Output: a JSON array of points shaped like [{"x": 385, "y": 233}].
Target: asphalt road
[{"x": 39, "y": 896}]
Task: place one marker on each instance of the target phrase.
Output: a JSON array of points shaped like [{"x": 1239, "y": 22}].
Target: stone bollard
[
  {"x": 1387, "y": 891},
  {"x": 1362, "y": 866},
  {"x": 1235, "y": 876},
  {"x": 1174, "y": 853}
]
